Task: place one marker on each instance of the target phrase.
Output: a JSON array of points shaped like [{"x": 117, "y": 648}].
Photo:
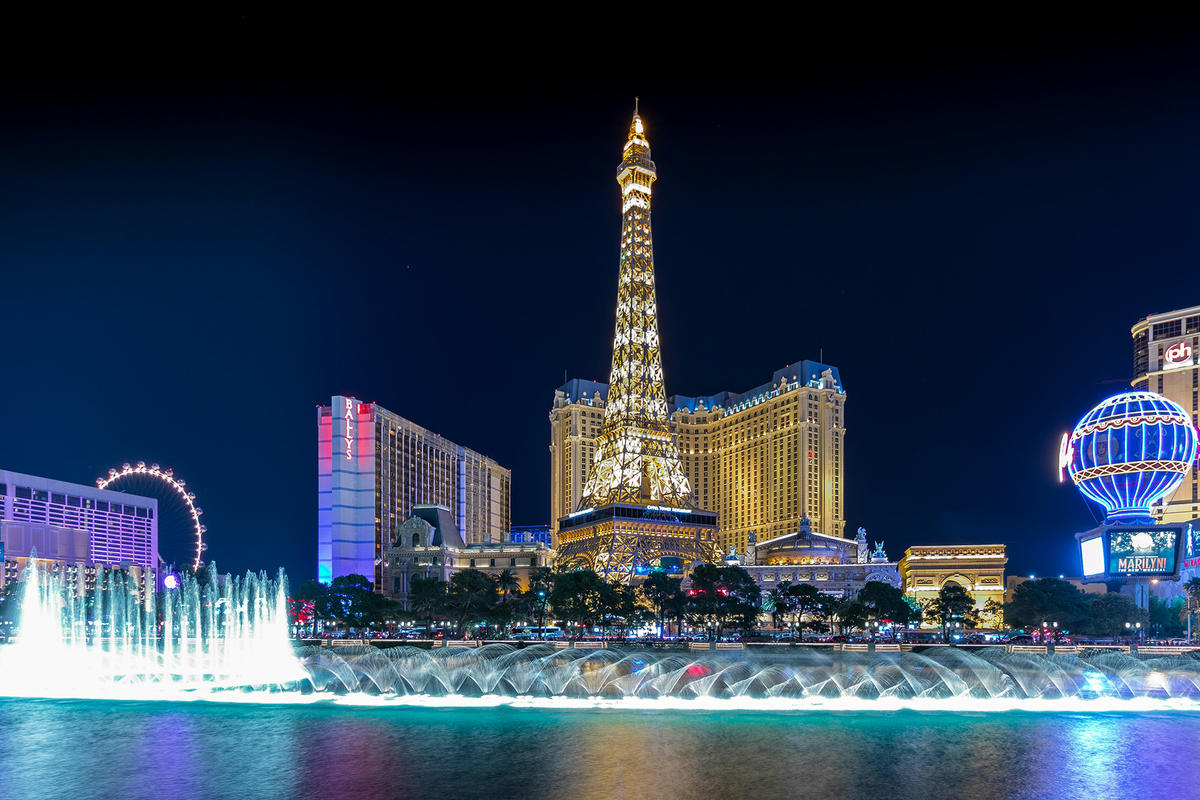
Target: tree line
[
  {"x": 718, "y": 600},
  {"x": 1050, "y": 600}
]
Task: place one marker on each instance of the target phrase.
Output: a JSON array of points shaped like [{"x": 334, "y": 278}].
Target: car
[{"x": 1020, "y": 638}]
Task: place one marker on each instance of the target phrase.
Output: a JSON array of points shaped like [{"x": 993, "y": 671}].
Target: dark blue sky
[{"x": 194, "y": 254}]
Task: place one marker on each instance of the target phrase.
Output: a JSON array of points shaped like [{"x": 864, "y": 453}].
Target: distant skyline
[{"x": 194, "y": 259}]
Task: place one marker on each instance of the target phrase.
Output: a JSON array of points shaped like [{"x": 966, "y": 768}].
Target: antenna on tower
[{"x": 635, "y": 106}]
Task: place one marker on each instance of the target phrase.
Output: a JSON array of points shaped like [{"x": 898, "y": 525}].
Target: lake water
[{"x": 77, "y": 749}]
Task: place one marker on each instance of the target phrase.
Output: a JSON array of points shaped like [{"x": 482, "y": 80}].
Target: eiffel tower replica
[{"x": 637, "y": 506}]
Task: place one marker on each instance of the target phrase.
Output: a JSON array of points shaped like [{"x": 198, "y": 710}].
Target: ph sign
[{"x": 1177, "y": 355}]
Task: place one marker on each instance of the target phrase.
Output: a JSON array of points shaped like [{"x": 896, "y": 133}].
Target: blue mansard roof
[{"x": 807, "y": 373}]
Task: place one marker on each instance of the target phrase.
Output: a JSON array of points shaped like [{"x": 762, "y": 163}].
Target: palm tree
[
  {"x": 781, "y": 601},
  {"x": 507, "y": 583},
  {"x": 1192, "y": 589},
  {"x": 426, "y": 595}
]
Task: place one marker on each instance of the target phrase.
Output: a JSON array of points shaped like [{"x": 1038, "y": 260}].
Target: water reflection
[{"x": 82, "y": 750}]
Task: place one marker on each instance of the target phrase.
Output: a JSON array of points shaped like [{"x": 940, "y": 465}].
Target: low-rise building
[
  {"x": 63, "y": 551},
  {"x": 429, "y": 544},
  {"x": 978, "y": 568},
  {"x": 835, "y": 565},
  {"x": 531, "y": 534}
]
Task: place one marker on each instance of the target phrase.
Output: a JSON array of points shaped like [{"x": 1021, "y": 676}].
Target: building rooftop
[
  {"x": 12, "y": 479},
  {"x": 439, "y": 517},
  {"x": 803, "y": 373}
]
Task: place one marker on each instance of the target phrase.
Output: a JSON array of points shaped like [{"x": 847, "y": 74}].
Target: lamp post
[{"x": 541, "y": 607}]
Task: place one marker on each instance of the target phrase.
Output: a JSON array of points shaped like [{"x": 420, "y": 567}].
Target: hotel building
[
  {"x": 1165, "y": 348},
  {"x": 73, "y": 526},
  {"x": 374, "y": 467},
  {"x": 763, "y": 460}
]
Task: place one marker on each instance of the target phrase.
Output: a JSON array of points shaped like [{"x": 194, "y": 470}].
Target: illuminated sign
[
  {"x": 668, "y": 509},
  {"x": 1191, "y": 548},
  {"x": 1065, "y": 451},
  {"x": 1177, "y": 355},
  {"x": 1092, "y": 551},
  {"x": 1143, "y": 551},
  {"x": 349, "y": 429}
]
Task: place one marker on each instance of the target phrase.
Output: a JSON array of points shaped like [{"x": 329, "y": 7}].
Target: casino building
[
  {"x": 428, "y": 544},
  {"x": 74, "y": 527},
  {"x": 763, "y": 460},
  {"x": 374, "y": 467},
  {"x": 1165, "y": 350},
  {"x": 836, "y": 565}
]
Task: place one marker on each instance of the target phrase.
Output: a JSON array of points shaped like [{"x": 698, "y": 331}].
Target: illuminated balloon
[{"x": 1131, "y": 451}]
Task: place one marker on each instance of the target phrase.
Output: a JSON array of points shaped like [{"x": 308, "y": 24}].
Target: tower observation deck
[{"x": 637, "y": 506}]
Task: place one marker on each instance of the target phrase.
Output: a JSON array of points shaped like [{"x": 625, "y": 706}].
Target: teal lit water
[{"x": 73, "y": 749}]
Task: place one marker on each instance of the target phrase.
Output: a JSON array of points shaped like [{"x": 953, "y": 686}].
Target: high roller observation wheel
[{"x": 167, "y": 477}]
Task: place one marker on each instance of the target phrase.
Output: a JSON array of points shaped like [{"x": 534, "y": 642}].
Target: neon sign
[
  {"x": 349, "y": 429},
  {"x": 1177, "y": 355},
  {"x": 1065, "y": 451}
]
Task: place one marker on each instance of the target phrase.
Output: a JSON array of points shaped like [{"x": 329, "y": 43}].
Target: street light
[{"x": 541, "y": 613}]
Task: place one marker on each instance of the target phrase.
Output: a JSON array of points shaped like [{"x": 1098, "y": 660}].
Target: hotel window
[{"x": 1165, "y": 329}]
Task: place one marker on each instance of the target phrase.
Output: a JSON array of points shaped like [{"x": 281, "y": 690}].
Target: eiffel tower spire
[
  {"x": 637, "y": 508},
  {"x": 637, "y": 459}
]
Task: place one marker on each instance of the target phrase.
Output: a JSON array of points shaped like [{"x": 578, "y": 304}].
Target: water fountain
[
  {"x": 106, "y": 643},
  {"x": 229, "y": 642},
  {"x": 775, "y": 680}
]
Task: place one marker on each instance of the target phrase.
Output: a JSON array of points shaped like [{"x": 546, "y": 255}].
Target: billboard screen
[
  {"x": 1092, "y": 551},
  {"x": 1191, "y": 548},
  {"x": 1143, "y": 551}
]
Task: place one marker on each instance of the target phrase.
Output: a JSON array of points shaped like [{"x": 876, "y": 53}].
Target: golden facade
[
  {"x": 1165, "y": 360},
  {"x": 978, "y": 568},
  {"x": 763, "y": 460}
]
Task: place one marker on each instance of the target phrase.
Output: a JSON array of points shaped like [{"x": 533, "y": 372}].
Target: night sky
[{"x": 197, "y": 249}]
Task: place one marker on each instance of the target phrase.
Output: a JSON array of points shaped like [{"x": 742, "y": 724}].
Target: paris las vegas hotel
[{"x": 763, "y": 460}]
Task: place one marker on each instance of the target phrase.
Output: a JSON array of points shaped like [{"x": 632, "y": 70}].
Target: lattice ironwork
[
  {"x": 616, "y": 549},
  {"x": 637, "y": 459}
]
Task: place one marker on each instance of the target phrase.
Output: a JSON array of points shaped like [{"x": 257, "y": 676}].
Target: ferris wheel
[{"x": 128, "y": 473}]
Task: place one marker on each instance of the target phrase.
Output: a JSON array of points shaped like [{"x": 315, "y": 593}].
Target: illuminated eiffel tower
[{"x": 637, "y": 506}]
